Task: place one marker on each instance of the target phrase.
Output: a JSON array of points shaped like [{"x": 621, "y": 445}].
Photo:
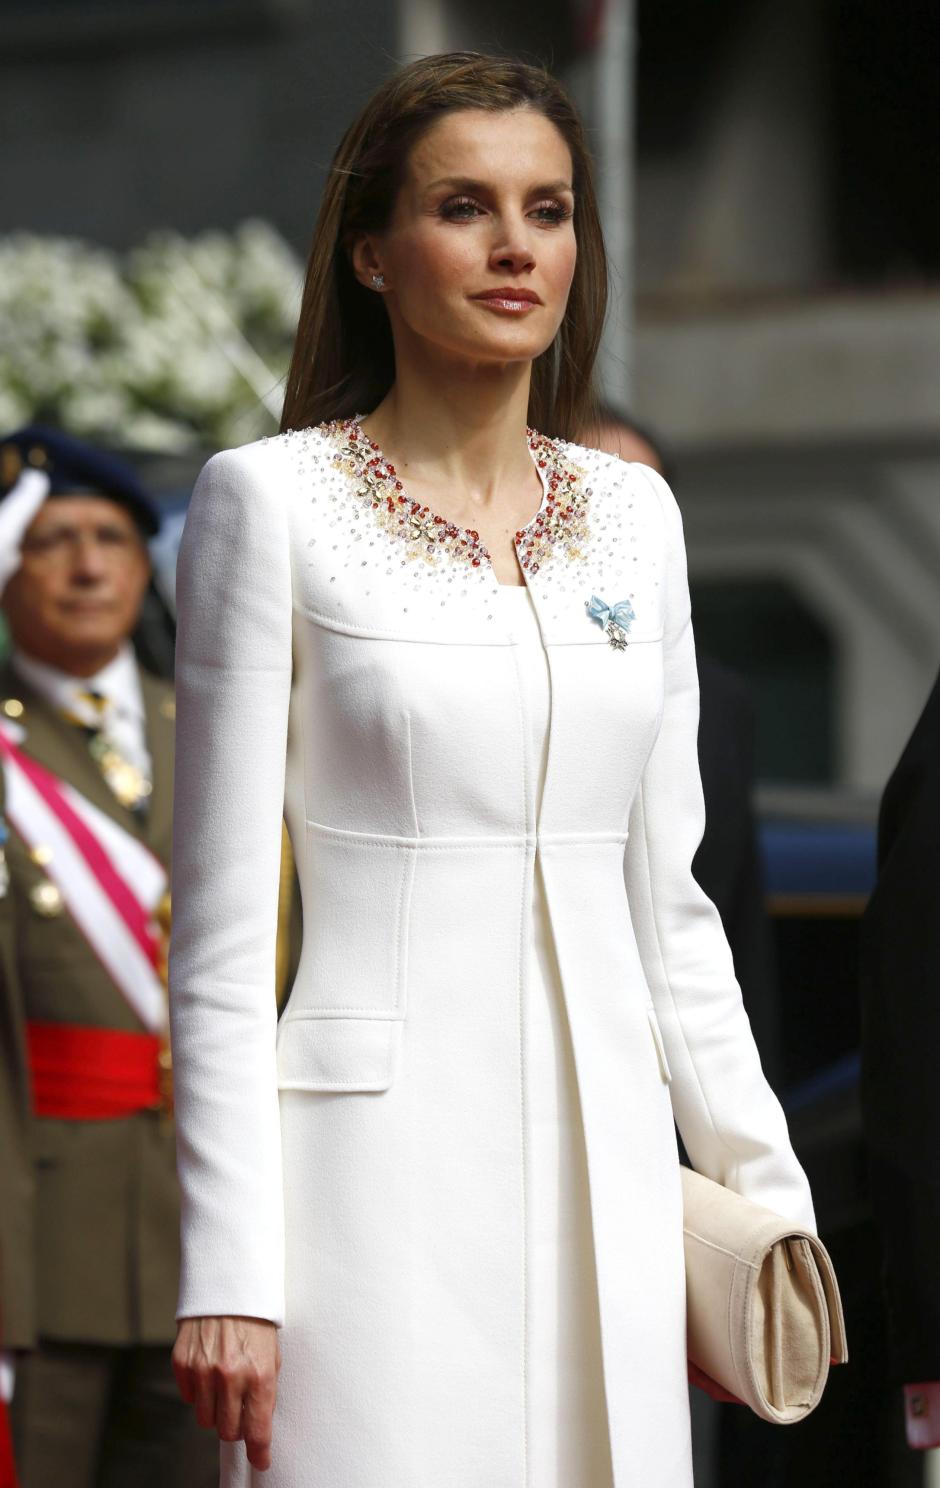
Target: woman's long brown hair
[{"x": 343, "y": 361}]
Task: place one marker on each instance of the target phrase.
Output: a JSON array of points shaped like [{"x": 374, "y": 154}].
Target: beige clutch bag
[{"x": 763, "y": 1308}]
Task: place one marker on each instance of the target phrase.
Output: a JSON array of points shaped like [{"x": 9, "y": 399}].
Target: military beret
[{"x": 74, "y": 468}]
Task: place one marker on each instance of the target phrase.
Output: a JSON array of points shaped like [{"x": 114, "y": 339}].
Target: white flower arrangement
[{"x": 178, "y": 346}]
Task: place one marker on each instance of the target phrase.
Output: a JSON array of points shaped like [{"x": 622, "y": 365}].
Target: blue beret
[{"x": 74, "y": 469}]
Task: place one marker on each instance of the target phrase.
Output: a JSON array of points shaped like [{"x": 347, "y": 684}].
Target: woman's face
[{"x": 480, "y": 252}]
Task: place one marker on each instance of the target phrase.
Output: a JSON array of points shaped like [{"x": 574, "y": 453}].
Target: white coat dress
[{"x": 362, "y": 1173}]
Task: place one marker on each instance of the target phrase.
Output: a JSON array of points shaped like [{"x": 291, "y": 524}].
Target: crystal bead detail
[{"x": 560, "y": 523}]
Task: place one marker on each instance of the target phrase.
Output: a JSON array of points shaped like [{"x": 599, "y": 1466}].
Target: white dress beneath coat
[{"x": 568, "y": 1432}]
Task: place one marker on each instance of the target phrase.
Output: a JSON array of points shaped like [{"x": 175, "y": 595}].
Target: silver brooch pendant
[{"x": 615, "y": 620}]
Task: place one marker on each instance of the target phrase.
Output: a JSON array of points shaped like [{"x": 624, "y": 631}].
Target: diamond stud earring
[{"x": 378, "y": 281}]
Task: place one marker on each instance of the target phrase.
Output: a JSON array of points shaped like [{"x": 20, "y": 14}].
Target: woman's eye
[
  {"x": 553, "y": 212},
  {"x": 464, "y": 208},
  {"x": 459, "y": 207}
]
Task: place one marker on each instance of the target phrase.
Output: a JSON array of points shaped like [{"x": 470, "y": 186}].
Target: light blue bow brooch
[{"x": 614, "y": 619}]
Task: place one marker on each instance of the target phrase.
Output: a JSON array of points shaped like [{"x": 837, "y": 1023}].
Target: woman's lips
[{"x": 516, "y": 301}]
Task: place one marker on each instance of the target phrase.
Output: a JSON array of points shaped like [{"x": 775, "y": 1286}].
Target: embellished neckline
[{"x": 561, "y": 519}]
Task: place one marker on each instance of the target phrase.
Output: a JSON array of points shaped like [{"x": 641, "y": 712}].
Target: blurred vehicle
[{"x": 819, "y": 851}]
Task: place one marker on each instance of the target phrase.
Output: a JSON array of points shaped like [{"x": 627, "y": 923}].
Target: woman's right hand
[{"x": 227, "y": 1367}]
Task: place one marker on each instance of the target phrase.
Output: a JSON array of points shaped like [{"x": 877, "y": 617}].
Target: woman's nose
[{"x": 513, "y": 252}]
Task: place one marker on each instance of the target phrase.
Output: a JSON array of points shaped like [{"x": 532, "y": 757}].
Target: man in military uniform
[
  {"x": 15, "y": 1182},
  {"x": 88, "y": 1186}
]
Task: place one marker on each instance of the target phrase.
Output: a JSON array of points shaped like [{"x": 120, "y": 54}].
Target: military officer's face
[{"x": 78, "y": 591}]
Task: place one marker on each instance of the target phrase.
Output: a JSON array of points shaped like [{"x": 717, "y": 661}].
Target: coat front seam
[
  {"x": 404, "y": 879},
  {"x": 366, "y": 632},
  {"x": 523, "y": 1111},
  {"x": 409, "y": 746},
  {"x": 319, "y": 1014},
  {"x": 526, "y": 839},
  {"x": 370, "y": 633}
]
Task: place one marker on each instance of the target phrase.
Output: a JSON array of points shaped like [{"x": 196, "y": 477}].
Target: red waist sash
[
  {"x": 8, "y": 1478},
  {"x": 93, "y": 1074}
]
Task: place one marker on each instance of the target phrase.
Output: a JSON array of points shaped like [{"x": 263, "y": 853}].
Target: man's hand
[
  {"x": 922, "y": 1415},
  {"x": 227, "y": 1367}
]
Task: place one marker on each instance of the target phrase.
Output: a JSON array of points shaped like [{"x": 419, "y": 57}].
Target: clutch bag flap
[{"x": 764, "y": 1316}]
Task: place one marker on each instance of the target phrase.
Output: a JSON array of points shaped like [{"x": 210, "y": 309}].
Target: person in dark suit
[
  {"x": 88, "y": 1189},
  {"x": 900, "y": 969}
]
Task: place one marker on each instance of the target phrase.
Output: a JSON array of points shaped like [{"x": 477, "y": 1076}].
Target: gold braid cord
[
  {"x": 162, "y": 916},
  {"x": 282, "y": 956}
]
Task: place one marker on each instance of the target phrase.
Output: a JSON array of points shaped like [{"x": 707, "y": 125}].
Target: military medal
[
  {"x": 46, "y": 899},
  {"x": 45, "y": 896},
  {"x": 126, "y": 781}
]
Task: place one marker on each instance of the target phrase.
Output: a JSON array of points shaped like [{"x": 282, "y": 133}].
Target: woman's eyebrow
[
  {"x": 552, "y": 188},
  {"x": 464, "y": 183}
]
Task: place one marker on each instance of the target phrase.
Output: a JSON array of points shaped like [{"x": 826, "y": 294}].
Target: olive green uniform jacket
[{"x": 89, "y": 1215}]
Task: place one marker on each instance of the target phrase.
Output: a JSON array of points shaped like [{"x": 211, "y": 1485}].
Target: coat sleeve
[
  {"x": 233, "y": 679},
  {"x": 730, "y": 1121}
]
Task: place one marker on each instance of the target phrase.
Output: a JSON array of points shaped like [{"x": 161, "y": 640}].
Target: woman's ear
[{"x": 366, "y": 263}]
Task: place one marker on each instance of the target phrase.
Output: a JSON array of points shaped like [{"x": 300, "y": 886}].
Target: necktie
[{"x": 124, "y": 779}]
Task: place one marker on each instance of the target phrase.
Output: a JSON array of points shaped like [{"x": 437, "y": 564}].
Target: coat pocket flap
[
  {"x": 325, "y": 1053},
  {"x": 656, "y": 1031}
]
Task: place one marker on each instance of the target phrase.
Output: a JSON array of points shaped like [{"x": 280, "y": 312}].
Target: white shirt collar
[{"x": 119, "y": 681}]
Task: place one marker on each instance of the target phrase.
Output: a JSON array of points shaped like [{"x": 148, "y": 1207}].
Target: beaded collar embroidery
[{"x": 561, "y": 521}]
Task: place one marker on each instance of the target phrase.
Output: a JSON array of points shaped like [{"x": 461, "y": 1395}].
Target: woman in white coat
[{"x": 444, "y": 1191}]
